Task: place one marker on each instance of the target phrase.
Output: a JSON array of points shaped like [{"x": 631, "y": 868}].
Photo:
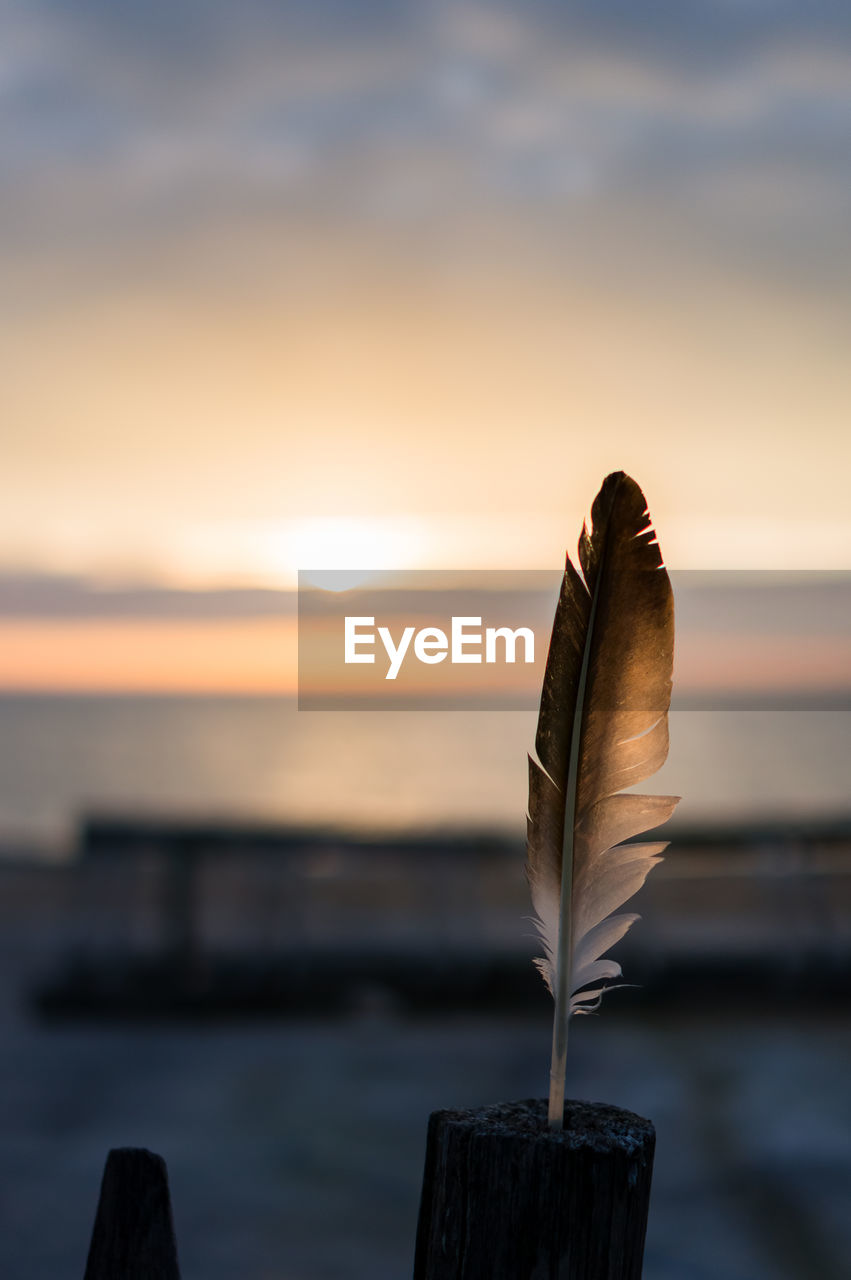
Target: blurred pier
[{"x": 190, "y": 918}]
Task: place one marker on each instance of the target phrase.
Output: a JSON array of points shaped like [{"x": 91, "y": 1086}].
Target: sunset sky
[{"x": 300, "y": 285}]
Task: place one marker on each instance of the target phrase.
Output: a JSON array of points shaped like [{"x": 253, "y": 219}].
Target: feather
[{"x": 603, "y": 726}]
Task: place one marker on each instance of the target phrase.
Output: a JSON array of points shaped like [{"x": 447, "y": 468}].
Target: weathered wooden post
[
  {"x": 133, "y": 1236},
  {"x": 505, "y": 1197}
]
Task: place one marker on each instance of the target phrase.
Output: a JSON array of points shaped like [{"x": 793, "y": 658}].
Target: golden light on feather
[{"x": 602, "y": 727}]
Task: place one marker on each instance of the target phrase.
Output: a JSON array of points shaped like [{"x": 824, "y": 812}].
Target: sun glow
[
  {"x": 271, "y": 553},
  {"x": 347, "y": 551}
]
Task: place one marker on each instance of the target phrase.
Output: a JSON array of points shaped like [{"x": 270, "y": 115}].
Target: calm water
[{"x": 262, "y": 758}]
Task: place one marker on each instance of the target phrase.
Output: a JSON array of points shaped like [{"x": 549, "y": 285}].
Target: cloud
[
  {"x": 55, "y": 597},
  {"x": 133, "y": 122}
]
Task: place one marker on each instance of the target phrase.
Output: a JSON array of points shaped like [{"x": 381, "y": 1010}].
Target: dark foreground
[
  {"x": 295, "y": 1151},
  {"x": 295, "y": 1144}
]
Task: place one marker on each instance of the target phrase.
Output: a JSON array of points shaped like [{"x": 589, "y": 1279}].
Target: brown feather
[{"x": 602, "y": 727}]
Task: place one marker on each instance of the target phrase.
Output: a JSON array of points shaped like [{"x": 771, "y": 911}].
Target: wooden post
[
  {"x": 133, "y": 1236},
  {"x": 507, "y": 1198}
]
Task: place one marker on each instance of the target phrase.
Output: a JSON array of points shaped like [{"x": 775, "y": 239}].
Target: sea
[{"x": 63, "y": 758}]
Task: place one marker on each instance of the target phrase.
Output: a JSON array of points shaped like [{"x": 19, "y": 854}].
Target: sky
[{"x": 291, "y": 286}]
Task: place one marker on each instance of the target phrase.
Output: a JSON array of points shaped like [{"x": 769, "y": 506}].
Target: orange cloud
[{"x": 109, "y": 656}]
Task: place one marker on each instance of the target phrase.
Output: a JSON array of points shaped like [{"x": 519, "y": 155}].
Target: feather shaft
[{"x": 564, "y": 964}]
